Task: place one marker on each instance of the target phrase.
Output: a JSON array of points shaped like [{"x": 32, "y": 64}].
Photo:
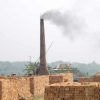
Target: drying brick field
[
  {"x": 50, "y": 87},
  {"x": 22, "y": 88}
]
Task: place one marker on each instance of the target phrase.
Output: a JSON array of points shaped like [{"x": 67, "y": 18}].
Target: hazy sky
[{"x": 20, "y": 30}]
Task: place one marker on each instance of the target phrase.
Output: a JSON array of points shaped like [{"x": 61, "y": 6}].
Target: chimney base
[{"x": 43, "y": 71}]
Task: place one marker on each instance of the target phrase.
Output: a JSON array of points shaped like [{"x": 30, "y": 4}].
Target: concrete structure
[
  {"x": 59, "y": 66},
  {"x": 43, "y": 70}
]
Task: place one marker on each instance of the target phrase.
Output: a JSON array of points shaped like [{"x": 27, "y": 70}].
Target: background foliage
[{"x": 18, "y": 68}]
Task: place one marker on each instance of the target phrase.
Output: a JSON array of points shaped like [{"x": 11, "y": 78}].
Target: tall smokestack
[{"x": 43, "y": 68}]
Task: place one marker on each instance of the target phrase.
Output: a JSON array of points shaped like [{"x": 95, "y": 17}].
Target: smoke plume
[{"x": 68, "y": 22}]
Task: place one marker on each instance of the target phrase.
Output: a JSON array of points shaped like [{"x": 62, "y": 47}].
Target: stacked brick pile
[
  {"x": 23, "y": 87},
  {"x": 72, "y": 91},
  {"x": 68, "y": 77},
  {"x": 66, "y": 83},
  {"x": 37, "y": 84},
  {"x": 11, "y": 88},
  {"x": 96, "y": 78},
  {"x": 91, "y": 83},
  {"x": 63, "y": 77},
  {"x": 83, "y": 79},
  {"x": 8, "y": 90},
  {"x": 56, "y": 79}
]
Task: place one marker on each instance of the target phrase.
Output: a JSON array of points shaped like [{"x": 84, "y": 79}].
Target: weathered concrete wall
[{"x": 72, "y": 91}]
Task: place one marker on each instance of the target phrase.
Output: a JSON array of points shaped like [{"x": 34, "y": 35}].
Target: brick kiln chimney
[{"x": 43, "y": 70}]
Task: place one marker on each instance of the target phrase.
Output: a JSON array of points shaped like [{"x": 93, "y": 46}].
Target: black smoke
[{"x": 69, "y": 22}]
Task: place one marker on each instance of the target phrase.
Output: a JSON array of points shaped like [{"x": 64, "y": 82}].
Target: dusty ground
[{"x": 37, "y": 98}]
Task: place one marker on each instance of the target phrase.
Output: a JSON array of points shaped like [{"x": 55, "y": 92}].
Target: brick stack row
[
  {"x": 23, "y": 87},
  {"x": 96, "y": 78},
  {"x": 37, "y": 84},
  {"x": 68, "y": 77},
  {"x": 56, "y": 79},
  {"x": 8, "y": 90},
  {"x": 72, "y": 92},
  {"x": 63, "y": 77},
  {"x": 12, "y": 87},
  {"x": 83, "y": 79}
]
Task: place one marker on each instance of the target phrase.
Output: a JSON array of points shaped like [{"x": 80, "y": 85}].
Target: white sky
[{"x": 20, "y": 31}]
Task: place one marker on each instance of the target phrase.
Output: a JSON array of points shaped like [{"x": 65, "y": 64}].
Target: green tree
[
  {"x": 51, "y": 71},
  {"x": 31, "y": 68},
  {"x": 73, "y": 70}
]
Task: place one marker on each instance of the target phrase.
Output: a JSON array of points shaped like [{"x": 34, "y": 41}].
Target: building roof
[{"x": 62, "y": 65}]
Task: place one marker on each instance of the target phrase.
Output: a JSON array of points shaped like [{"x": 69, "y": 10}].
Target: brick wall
[
  {"x": 68, "y": 77},
  {"x": 23, "y": 87},
  {"x": 63, "y": 77},
  {"x": 56, "y": 79},
  {"x": 8, "y": 90},
  {"x": 12, "y": 88},
  {"x": 73, "y": 91},
  {"x": 37, "y": 84},
  {"x": 83, "y": 79},
  {"x": 96, "y": 78}
]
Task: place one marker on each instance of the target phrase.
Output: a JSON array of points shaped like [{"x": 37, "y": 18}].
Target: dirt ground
[{"x": 37, "y": 98}]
